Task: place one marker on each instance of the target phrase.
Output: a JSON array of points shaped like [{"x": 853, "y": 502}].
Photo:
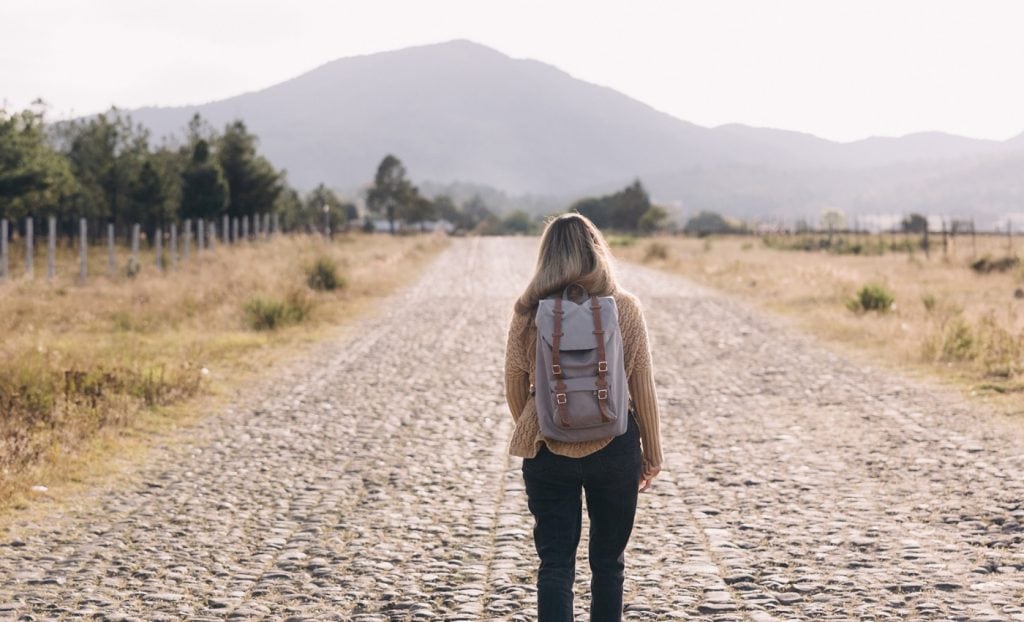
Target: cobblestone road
[{"x": 370, "y": 482}]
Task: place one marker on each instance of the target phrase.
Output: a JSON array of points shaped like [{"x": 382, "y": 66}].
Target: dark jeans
[{"x": 610, "y": 478}]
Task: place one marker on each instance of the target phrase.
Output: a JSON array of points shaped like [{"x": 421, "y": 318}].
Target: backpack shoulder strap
[
  {"x": 561, "y": 399},
  {"x": 602, "y": 359}
]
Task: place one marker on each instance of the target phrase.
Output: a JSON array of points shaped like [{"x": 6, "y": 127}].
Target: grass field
[
  {"x": 83, "y": 366},
  {"x": 945, "y": 318}
]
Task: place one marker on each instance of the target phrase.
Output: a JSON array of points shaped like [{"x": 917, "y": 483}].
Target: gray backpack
[{"x": 580, "y": 381}]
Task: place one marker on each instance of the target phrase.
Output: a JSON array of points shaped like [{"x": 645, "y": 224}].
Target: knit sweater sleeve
[
  {"x": 640, "y": 370},
  {"x": 517, "y": 376}
]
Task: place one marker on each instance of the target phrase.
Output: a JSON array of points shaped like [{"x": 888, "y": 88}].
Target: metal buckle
[
  {"x": 602, "y": 366},
  {"x": 602, "y": 394},
  {"x": 556, "y": 369},
  {"x": 561, "y": 398}
]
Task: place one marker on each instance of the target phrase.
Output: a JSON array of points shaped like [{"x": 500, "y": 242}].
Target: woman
[{"x": 611, "y": 470}]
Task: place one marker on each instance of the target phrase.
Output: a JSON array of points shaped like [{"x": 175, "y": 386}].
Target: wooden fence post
[
  {"x": 234, "y": 230},
  {"x": 277, "y": 223},
  {"x": 200, "y": 235},
  {"x": 111, "y": 252},
  {"x": 186, "y": 239},
  {"x": 225, "y": 229},
  {"x": 174, "y": 244},
  {"x": 83, "y": 250},
  {"x": 29, "y": 247},
  {"x": 159, "y": 248},
  {"x": 135, "y": 244},
  {"x": 211, "y": 238},
  {"x": 51, "y": 248},
  {"x": 1009, "y": 237},
  {"x": 4, "y": 264},
  {"x": 245, "y": 227}
]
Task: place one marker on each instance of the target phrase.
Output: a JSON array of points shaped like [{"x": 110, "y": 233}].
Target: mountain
[{"x": 463, "y": 112}]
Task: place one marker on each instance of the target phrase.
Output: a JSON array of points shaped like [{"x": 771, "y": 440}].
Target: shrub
[
  {"x": 656, "y": 250},
  {"x": 987, "y": 264},
  {"x": 323, "y": 275},
  {"x": 872, "y": 297},
  {"x": 929, "y": 302},
  {"x": 1000, "y": 352},
  {"x": 269, "y": 313},
  {"x": 958, "y": 342}
]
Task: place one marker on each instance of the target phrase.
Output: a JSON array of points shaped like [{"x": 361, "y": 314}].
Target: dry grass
[
  {"x": 946, "y": 319},
  {"x": 84, "y": 367}
]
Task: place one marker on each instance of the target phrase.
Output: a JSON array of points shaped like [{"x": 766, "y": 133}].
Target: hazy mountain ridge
[{"x": 462, "y": 111}]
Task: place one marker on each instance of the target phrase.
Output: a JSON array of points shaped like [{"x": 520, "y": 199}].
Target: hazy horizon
[{"x": 870, "y": 69}]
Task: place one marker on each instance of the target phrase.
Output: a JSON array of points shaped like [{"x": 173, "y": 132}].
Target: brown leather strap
[
  {"x": 561, "y": 399},
  {"x": 602, "y": 362}
]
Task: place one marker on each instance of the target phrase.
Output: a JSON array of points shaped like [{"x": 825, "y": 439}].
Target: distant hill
[{"x": 460, "y": 112}]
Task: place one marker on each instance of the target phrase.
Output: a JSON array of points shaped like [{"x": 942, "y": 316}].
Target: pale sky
[{"x": 841, "y": 70}]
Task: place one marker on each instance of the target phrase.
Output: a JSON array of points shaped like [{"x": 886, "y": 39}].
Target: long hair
[{"x": 572, "y": 250}]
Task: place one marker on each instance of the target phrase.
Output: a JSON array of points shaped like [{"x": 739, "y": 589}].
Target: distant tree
[
  {"x": 34, "y": 177},
  {"x": 292, "y": 209},
  {"x": 149, "y": 201},
  {"x": 391, "y": 194},
  {"x": 475, "y": 212},
  {"x": 323, "y": 203},
  {"x": 915, "y": 223},
  {"x": 833, "y": 220},
  {"x": 654, "y": 219},
  {"x": 621, "y": 210},
  {"x": 253, "y": 183},
  {"x": 516, "y": 221},
  {"x": 204, "y": 193},
  {"x": 708, "y": 223},
  {"x": 106, "y": 153}
]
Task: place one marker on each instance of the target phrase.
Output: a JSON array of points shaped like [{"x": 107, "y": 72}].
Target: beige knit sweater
[{"x": 520, "y": 358}]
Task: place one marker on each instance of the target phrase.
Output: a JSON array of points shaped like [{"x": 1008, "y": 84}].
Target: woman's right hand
[{"x": 648, "y": 477}]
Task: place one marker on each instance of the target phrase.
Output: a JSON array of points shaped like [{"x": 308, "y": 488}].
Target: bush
[
  {"x": 656, "y": 250},
  {"x": 929, "y": 302},
  {"x": 269, "y": 313},
  {"x": 986, "y": 264},
  {"x": 958, "y": 342},
  {"x": 323, "y": 276},
  {"x": 872, "y": 297}
]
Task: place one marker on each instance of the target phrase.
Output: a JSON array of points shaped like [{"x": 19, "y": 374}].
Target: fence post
[
  {"x": 211, "y": 238},
  {"x": 83, "y": 250},
  {"x": 135, "y": 244},
  {"x": 225, "y": 229},
  {"x": 51, "y": 248},
  {"x": 159, "y": 248},
  {"x": 245, "y": 227},
  {"x": 186, "y": 239},
  {"x": 277, "y": 223},
  {"x": 29, "y": 247},
  {"x": 174, "y": 244},
  {"x": 234, "y": 230},
  {"x": 1009, "y": 237},
  {"x": 4, "y": 265},
  {"x": 200, "y": 235},
  {"x": 111, "y": 252}
]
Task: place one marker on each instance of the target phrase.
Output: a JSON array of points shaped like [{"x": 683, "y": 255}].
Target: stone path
[{"x": 370, "y": 482}]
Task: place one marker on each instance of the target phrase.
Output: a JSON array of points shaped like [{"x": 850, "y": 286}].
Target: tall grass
[{"x": 76, "y": 359}]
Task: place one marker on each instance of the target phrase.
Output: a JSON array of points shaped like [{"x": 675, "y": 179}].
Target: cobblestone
[{"x": 370, "y": 482}]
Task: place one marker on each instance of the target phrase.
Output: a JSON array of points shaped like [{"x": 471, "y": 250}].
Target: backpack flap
[{"x": 577, "y": 332}]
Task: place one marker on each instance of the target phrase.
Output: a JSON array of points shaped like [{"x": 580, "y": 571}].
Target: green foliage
[
  {"x": 323, "y": 275},
  {"x": 32, "y": 173},
  {"x": 253, "y": 184},
  {"x": 391, "y": 194},
  {"x": 271, "y": 313},
  {"x": 621, "y": 211},
  {"x": 710, "y": 223},
  {"x": 957, "y": 342},
  {"x": 204, "y": 191},
  {"x": 654, "y": 219},
  {"x": 872, "y": 297},
  {"x": 324, "y": 204}
]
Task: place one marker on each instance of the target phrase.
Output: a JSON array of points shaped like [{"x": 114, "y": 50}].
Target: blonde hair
[{"x": 572, "y": 250}]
